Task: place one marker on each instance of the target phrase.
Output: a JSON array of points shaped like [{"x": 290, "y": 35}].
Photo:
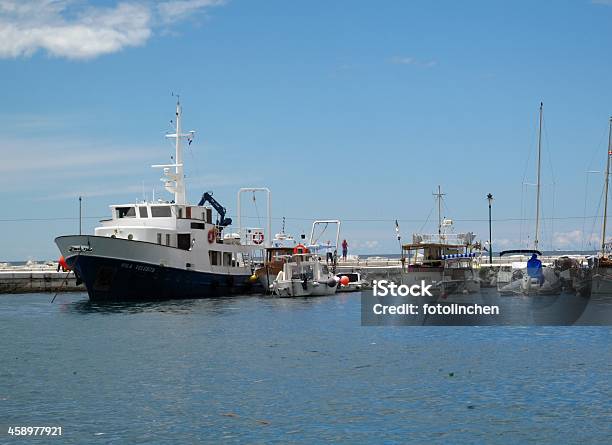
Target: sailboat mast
[
  {"x": 537, "y": 225},
  {"x": 606, "y": 184}
]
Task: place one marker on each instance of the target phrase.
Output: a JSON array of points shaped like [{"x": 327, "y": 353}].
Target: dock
[{"x": 36, "y": 277}]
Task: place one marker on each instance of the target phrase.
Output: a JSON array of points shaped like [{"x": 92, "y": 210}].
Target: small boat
[
  {"x": 304, "y": 275},
  {"x": 517, "y": 280},
  {"x": 355, "y": 283},
  {"x": 275, "y": 257},
  {"x": 444, "y": 259},
  {"x": 513, "y": 278},
  {"x": 601, "y": 275}
]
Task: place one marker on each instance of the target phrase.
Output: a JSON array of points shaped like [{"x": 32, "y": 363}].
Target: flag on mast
[{"x": 397, "y": 232}]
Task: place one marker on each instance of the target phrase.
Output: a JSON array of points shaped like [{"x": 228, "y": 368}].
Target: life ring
[
  {"x": 212, "y": 235},
  {"x": 300, "y": 248},
  {"x": 258, "y": 238}
]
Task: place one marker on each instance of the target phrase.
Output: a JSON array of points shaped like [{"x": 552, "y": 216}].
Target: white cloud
[
  {"x": 175, "y": 10},
  {"x": 402, "y": 60},
  {"x": 574, "y": 239},
  {"x": 602, "y": 2},
  {"x": 78, "y": 30},
  {"x": 56, "y": 157}
]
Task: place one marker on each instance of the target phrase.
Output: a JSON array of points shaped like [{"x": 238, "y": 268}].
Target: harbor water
[{"x": 267, "y": 370}]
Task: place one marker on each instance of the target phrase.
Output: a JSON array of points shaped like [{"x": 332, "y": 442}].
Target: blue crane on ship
[{"x": 222, "y": 221}]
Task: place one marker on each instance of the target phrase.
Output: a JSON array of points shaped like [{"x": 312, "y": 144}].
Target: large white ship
[{"x": 165, "y": 249}]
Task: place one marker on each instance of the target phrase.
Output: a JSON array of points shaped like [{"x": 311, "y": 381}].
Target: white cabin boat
[{"x": 164, "y": 249}]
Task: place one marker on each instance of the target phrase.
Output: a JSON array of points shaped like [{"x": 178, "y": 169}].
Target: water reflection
[
  {"x": 565, "y": 308},
  {"x": 171, "y": 306}
]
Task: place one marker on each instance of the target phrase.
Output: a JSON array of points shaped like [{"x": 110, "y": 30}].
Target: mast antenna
[{"x": 174, "y": 182}]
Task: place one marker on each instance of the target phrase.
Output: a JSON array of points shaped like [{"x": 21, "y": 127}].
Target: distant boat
[
  {"x": 445, "y": 259},
  {"x": 355, "y": 282}
]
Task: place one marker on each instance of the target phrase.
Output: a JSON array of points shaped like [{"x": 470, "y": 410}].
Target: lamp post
[
  {"x": 80, "y": 217},
  {"x": 490, "y": 199}
]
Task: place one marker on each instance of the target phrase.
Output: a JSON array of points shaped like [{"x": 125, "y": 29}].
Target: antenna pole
[
  {"x": 80, "y": 217},
  {"x": 439, "y": 196},
  {"x": 180, "y": 184},
  {"x": 537, "y": 227},
  {"x": 606, "y": 184}
]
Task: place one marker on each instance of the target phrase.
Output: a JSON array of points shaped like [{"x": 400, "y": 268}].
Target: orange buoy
[{"x": 344, "y": 280}]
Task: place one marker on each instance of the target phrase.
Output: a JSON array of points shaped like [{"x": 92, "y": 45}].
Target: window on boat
[
  {"x": 143, "y": 212},
  {"x": 126, "y": 212},
  {"x": 183, "y": 241},
  {"x": 160, "y": 211},
  {"x": 159, "y": 238},
  {"x": 227, "y": 258},
  {"x": 215, "y": 257},
  {"x": 197, "y": 226},
  {"x": 167, "y": 239}
]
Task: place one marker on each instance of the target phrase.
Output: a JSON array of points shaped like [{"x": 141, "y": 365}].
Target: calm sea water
[{"x": 260, "y": 369}]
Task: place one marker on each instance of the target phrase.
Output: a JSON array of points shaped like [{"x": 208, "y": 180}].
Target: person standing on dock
[{"x": 344, "y": 250}]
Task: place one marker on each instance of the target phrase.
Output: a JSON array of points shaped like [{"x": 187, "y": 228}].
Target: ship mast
[
  {"x": 606, "y": 184},
  {"x": 175, "y": 182},
  {"x": 439, "y": 196},
  {"x": 179, "y": 194},
  {"x": 537, "y": 225}
]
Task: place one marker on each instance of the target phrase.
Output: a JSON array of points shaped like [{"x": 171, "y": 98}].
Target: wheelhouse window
[
  {"x": 160, "y": 211},
  {"x": 126, "y": 212},
  {"x": 143, "y": 212}
]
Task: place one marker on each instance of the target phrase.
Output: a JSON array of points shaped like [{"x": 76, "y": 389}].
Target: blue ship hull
[{"x": 108, "y": 279}]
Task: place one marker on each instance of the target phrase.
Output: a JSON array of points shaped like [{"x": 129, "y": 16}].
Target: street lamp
[{"x": 490, "y": 199}]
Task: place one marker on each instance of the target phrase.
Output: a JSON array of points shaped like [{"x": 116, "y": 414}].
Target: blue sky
[{"x": 347, "y": 109}]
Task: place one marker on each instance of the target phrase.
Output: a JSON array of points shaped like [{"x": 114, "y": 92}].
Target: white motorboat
[{"x": 304, "y": 275}]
